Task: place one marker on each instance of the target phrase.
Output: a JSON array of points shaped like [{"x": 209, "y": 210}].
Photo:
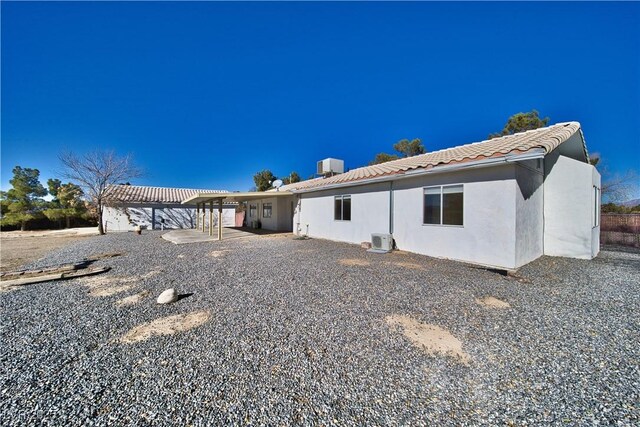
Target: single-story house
[
  {"x": 502, "y": 202},
  {"x": 127, "y": 206},
  {"x": 271, "y": 210}
]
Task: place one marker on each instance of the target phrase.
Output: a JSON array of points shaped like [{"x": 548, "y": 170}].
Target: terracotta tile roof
[
  {"x": 548, "y": 138},
  {"x": 143, "y": 194}
]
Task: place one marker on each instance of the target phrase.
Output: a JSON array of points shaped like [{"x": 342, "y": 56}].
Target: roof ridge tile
[{"x": 547, "y": 138}]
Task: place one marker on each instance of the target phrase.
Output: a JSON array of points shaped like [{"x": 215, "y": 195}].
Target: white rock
[{"x": 168, "y": 296}]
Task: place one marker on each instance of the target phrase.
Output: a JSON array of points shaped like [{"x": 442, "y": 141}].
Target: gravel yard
[{"x": 277, "y": 331}]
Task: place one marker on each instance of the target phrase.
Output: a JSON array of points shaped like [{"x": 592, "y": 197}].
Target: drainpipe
[
  {"x": 390, "y": 207},
  {"x": 297, "y": 207}
]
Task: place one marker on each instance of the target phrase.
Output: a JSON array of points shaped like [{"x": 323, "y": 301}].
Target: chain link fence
[{"x": 620, "y": 229}]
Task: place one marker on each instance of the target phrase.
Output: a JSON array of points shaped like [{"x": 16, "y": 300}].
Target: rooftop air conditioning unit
[
  {"x": 381, "y": 243},
  {"x": 330, "y": 167}
]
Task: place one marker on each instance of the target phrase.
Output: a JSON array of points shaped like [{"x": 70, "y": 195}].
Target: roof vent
[{"x": 330, "y": 167}]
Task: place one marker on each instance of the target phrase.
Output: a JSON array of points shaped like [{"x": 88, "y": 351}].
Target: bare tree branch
[
  {"x": 619, "y": 187},
  {"x": 95, "y": 171}
]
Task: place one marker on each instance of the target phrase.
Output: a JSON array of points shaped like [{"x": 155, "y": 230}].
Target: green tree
[
  {"x": 409, "y": 148},
  {"x": 67, "y": 202},
  {"x": 620, "y": 209},
  {"x": 382, "y": 158},
  {"x": 292, "y": 178},
  {"x": 23, "y": 202},
  {"x": 521, "y": 122},
  {"x": 263, "y": 180},
  {"x": 405, "y": 147}
]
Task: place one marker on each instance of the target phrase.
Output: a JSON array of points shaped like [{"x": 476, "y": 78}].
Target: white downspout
[{"x": 391, "y": 207}]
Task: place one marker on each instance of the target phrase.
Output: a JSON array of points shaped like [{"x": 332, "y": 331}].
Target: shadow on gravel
[
  {"x": 627, "y": 259},
  {"x": 183, "y": 296},
  {"x": 617, "y": 248}
]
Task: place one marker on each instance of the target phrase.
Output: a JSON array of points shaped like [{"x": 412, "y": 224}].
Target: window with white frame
[
  {"x": 342, "y": 208},
  {"x": 266, "y": 210},
  {"x": 444, "y": 205},
  {"x": 596, "y": 206},
  {"x": 252, "y": 211}
]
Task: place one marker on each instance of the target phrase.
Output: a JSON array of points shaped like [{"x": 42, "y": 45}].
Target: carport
[{"x": 204, "y": 200}]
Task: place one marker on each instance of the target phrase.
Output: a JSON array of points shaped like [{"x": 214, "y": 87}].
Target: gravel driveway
[{"x": 297, "y": 332}]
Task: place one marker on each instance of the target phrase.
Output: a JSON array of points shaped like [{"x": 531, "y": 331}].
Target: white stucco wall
[
  {"x": 285, "y": 214},
  {"x": 529, "y": 211},
  {"x": 369, "y": 213},
  {"x": 280, "y": 213},
  {"x": 513, "y": 213},
  {"x": 149, "y": 216},
  {"x": 488, "y": 235},
  {"x": 596, "y": 203},
  {"x": 126, "y": 218},
  {"x": 569, "y": 208}
]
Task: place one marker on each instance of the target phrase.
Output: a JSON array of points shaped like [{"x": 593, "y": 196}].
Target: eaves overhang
[
  {"x": 234, "y": 197},
  {"x": 536, "y": 153}
]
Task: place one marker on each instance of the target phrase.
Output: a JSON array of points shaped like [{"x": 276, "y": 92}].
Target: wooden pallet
[{"x": 63, "y": 272}]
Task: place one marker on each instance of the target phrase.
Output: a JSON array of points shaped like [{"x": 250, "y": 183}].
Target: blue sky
[{"x": 206, "y": 94}]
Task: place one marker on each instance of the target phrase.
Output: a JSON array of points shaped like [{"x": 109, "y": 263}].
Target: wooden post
[
  {"x": 211, "y": 218},
  {"x": 219, "y": 219},
  {"x": 197, "y": 216}
]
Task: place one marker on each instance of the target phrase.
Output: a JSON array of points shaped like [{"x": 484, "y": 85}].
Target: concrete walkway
[{"x": 180, "y": 237}]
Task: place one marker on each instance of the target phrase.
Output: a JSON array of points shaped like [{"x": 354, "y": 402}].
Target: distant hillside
[{"x": 631, "y": 203}]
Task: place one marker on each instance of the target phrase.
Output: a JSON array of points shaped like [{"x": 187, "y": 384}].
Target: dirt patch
[
  {"x": 17, "y": 250},
  {"x": 492, "y": 302},
  {"x": 133, "y": 299},
  {"x": 166, "y": 326},
  {"x": 354, "y": 262},
  {"x": 150, "y": 274},
  {"x": 430, "y": 338},
  {"x": 402, "y": 253},
  {"x": 104, "y": 256},
  {"x": 101, "y": 286},
  {"x": 4, "y": 288},
  {"x": 181, "y": 256},
  {"x": 107, "y": 291},
  {"x": 104, "y": 286},
  {"x": 217, "y": 254},
  {"x": 409, "y": 265},
  {"x": 281, "y": 235},
  {"x": 305, "y": 251}
]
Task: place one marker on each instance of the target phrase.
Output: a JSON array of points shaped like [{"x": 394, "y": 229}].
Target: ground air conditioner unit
[{"x": 381, "y": 243}]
